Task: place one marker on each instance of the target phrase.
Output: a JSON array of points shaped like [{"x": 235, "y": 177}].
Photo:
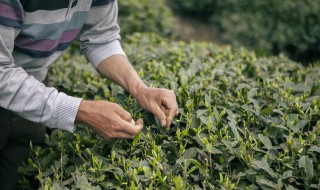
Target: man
[{"x": 34, "y": 34}]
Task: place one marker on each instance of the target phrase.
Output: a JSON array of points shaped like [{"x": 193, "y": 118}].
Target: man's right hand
[{"x": 108, "y": 119}]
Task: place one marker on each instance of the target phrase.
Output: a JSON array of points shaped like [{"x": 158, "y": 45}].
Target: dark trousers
[{"x": 15, "y": 136}]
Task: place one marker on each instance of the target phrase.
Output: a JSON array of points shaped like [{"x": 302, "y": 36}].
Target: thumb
[
  {"x": 160, "y": 115},
  {"x": 139, "y": 124}
]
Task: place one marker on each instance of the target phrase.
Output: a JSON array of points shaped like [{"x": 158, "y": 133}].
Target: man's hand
[
  {"x": 159, "y": 101},
  {"x": 108, "y": 119}
]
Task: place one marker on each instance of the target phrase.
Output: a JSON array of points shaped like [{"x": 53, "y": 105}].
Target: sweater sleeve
[
  {"x": 21, "y": 92},
  {"x": 100, "y": 36}
]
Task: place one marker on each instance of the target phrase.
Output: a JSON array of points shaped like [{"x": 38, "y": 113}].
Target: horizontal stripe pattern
[
  {"x": 101, "y": 2},
  {"x": 43, "y": 54},
  {"x": 14, "y": 3},
  {"x": 10, "y": 16},
  {"x": 46, "y": 44},
  {"x": 57, "y": 16},
  {"x": 42, "y": 40},
  {"x": 48, "y": 5},
  {"x": 10, "y": 12},
  {"x": 53, "y": 30},
  {"x": 34, "y": 66},
  {"x": 8, "y": 22}
]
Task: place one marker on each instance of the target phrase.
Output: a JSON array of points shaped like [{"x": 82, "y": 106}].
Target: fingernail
[
  {"x": 163, "y": 123},
  {"x": 132, "y": 122}
]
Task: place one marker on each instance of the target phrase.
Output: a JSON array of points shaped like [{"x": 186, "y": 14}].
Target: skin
[{"x": 109, "y": 119}]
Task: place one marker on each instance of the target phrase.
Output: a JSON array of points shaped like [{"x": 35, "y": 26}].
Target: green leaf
[
  {"x": 266, "y": 111},
  {"x": 82, "y": 182},
  {"x": 136, "y": 139},
  {"x": 252, "y": 92},
  {"x": 205, "y": 120},
  {"x": 232, "y": 123},
  {"x": 255, "y": 103},
  {"x": 241, "y": 86},
  {"x": 300, "y": 88},
  {"x": 207, "y": 99},
  {"x": 199, "y": 141},
  {"x": 229, "y": 146},
  {"x": 299, "y": 125},
  {"x": 264, "y": 166},
  {"x": 266, "y": 141},
  {"x": 287, "y": 174},
  {"x": 306, "y": 163},
  {"x": 201, "y": 112},
  {"x": 213, "y": 150},
  {"x": 268, "y": 183},
  {"x": 188, "y": 154},
  {"x": 197, "y": 164},
  {"x": 278, "y": 111},
  {"x": 315, "y": 148}
]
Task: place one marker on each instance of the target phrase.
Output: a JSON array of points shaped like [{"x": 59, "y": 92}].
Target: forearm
[
  {"x": 24, "y": 95},
  {"x": 118, "y": 69}
]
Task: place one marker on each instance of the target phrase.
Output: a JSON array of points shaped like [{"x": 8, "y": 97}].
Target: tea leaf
[
  {"x": 265, "y": 166},
  {"x": 234, "y": 129},
  {"x": 266, "y": 111},
  {"x": 306, "y": 163},
  {"x": 315, "y": 149},
  {"x": 136, "y": 139},
  {"x": 266, "y": 141}
]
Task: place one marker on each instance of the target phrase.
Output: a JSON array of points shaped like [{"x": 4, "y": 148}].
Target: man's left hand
[{"x": 159, "y": 101}]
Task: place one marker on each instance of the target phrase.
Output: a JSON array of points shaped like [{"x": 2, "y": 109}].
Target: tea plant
[
  {"x": 245, "y": 122},
  {"x": 272, "y": 27},
  {"x": 141, "y": 16},
  {"x": 145, "y": 16}
]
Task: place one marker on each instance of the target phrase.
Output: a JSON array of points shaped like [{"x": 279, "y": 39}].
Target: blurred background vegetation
[{"x": 266, "y": 27}]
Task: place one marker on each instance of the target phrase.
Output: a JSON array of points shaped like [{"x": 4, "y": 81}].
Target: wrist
[
  {"x": 138, "y": 90},
  {"x": 83, "y": 111}
]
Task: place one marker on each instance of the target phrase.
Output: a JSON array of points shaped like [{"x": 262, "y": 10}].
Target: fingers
[
  {"x": 170, "y": 116},
  {"x": 169, "y": 109},
  {"x": 123, "y": 113},
  {"x": 160, "y": 115},
  {"x": 123, "y": 135},
  {"x": 131, "y": 129},
  {"x": 164, "y": 109},
  {"x": 127, "y": 130},
  {"x": 130, "y": 134},
  {"x": 169, "y": 102},
  {"x": 139, "y": 123}
]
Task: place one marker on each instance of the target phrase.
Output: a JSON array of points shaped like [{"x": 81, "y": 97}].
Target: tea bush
[
  {"x": 145, "y": 16},
  {"x": 141, "y": 16},
  {"x": 273, "y": 27},
  {"x": 245, "y": 122},
  {"x": 202, "y": 8}
]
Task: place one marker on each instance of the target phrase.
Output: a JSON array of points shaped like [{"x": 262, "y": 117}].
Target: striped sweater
[{"x": 33, "y": 35}]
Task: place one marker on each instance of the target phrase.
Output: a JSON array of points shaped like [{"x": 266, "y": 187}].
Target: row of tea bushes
[
  {"x": 272, "y": 27},
  {"x": 245, "y": 122},
  {"x": 141, "y": 16}
]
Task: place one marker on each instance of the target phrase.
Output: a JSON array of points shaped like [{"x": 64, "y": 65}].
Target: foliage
[
  {"x": 273, "y": 27},
  {"x": 141, "y": 16},
  {"x": 145, "y": 16},
  {"x": 202, "y": 8},
  {"x": 245, "y": 122}
]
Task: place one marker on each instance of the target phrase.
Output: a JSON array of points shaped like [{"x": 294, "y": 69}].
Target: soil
[{"x": 191, "y": 29}]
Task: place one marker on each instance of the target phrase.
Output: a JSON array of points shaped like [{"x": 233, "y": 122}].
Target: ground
[{"x": 196, "y": 30}]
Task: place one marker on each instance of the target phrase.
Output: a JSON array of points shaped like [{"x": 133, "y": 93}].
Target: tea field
[{"x": 246, "y": 122}]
